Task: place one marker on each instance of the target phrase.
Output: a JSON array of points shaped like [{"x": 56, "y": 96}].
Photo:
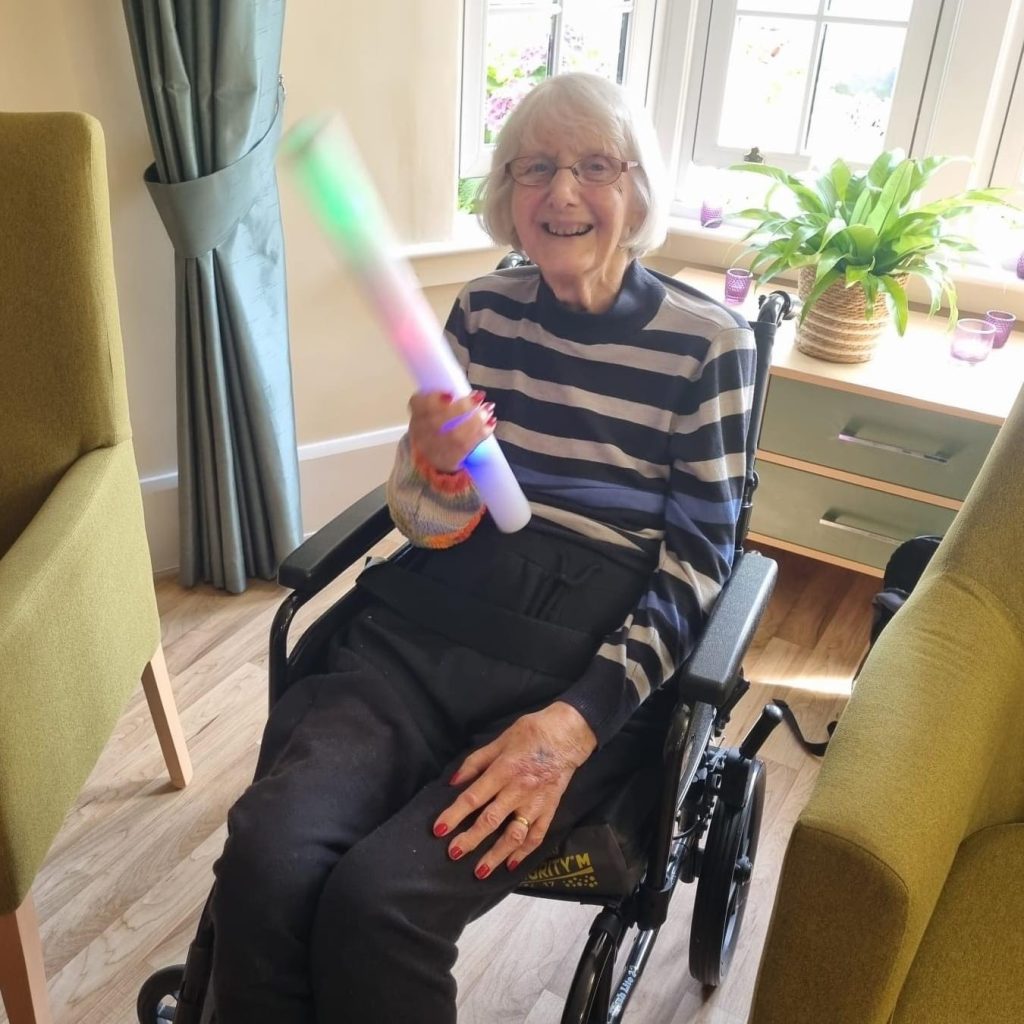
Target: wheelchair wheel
[
  {"x": 158, "y": 997},
  {"x": 591, "y": 986},
  {"x": 721, "y": 896}
]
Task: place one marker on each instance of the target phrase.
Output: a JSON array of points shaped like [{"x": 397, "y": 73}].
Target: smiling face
[{"x": 574, "y": 232}]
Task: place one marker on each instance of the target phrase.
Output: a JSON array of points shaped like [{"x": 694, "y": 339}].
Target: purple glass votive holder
[
  {"x": 1003, "y": 323},
  {"x": 710, "y": 215},
  {"x": 737, "y": 285},
  {"x": 972, "y": 340}
]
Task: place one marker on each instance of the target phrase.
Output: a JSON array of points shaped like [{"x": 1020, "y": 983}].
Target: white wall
[{"x": 391, "y": 68}]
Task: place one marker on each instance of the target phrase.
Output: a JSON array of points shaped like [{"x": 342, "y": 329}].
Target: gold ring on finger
[{"x": 525, "y": 822}]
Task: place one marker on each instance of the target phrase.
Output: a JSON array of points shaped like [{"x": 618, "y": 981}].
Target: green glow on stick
[{"x": 337, "y": 187}]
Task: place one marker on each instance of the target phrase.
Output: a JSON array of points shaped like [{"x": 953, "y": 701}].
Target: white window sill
[
  {"x": 467, "y": 254},
  {"x": 979, "y": 288},
  {"x": 471, "y": 253}
]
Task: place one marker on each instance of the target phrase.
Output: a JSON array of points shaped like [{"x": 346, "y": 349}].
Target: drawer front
[
  {"x": 839, "y": 518},
  {"x": 925, "y": 450}
]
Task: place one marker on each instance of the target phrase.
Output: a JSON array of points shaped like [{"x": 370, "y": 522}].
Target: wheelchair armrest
[
  {"x": 334, "y": 547},
  {"x": 714, "y": 664}
]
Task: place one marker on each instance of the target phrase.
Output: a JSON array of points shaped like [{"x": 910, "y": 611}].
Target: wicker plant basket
[{"x": 836, "y": 327}]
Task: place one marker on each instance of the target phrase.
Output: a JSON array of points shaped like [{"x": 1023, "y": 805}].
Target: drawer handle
[
  {"x": 829, "y": 521},
  {"x": 849, "y": 438}
]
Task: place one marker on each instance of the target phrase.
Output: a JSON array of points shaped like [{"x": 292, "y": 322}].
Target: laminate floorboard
[{"x": 122, "y": 887}]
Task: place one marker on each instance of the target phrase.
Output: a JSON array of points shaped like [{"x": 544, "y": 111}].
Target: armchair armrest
[
  {"x": 78, "y": 622},
  {"x": 713, "y": 666},
  {"x": 334, "y": 547}
]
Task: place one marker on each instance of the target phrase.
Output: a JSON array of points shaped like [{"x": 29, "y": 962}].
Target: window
[
  {"x": 511, "y": 45},
  {"x": 1009, "y": 163},
  {"x": 808, "y": 80},
  {"x": 1002, "y": 230}
]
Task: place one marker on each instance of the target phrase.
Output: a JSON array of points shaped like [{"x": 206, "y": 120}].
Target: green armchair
[
  {"x": 78, "y": 616},
  {"x": 901, "y": 897}
]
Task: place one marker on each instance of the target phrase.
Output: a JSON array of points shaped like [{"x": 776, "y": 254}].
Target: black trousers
[{"x": 334, "y": 903}]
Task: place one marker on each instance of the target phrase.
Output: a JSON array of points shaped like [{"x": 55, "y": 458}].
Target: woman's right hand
[{"x": 444, "y": 430}]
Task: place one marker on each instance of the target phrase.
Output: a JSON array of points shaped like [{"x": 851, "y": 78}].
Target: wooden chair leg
[
  {"x": 157, "y": 685},
  {"x": 22, "y": 977}
]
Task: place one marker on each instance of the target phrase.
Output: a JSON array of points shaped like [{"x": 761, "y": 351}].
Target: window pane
[
  {"x": 766, "y": 83},
  {"x": 853, "y": 98},
  {"x": 518, "y": 57},
  {"x": 880, "y": 10},
  {"x": 594, "y": 39},
  {"x": 778, "y": 6}
]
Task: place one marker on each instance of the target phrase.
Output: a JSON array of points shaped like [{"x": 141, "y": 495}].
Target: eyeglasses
[{"x": 535, "y": 171}]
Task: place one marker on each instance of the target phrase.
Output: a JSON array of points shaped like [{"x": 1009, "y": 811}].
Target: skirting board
[{"x": 332, "y": 475}]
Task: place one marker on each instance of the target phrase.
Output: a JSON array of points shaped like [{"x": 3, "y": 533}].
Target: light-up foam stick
[{"x": 347, "y": 206}]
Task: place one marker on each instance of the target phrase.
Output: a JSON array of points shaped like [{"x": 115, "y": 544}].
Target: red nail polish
[
  {"x": 454, "y": 780},
  {"x": 482, "y": 871},
  {"x": 478, "y": 396},
  {"x": 447, "y": 396},
  {"x": 455, "y": 853},
  {"x": 513, "y": 864},
  {"x": 440, "y": 829},
  {"x": 492, "y": 420}
]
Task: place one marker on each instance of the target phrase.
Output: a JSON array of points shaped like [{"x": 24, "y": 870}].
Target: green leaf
[
  {"x": 870, "y": 286},
  {"x": 880, "y": 170},
  {"x": 825, "y": 265},
  {"x": 863, "y": 208},
  {"x": 816, "y": 292},
  {"x": 924, "y": 169},
  {"x": 934, "y": 286},
  {"x": 840, "y": 175},
  {"x": 899, "y": 303},
  {"x": 827, "y": 193},
  {"x": 856, "y": 275},
  {"x": 893, "y": 196},
  {"x": 911, "y": 243},
  {"x": 863, "y": 241},
  {"x": 759, "y": 213},
  {"x": 954, "y": 312}
]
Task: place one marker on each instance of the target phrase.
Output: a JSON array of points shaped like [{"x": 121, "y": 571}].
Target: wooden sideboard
[{"x": 856, "y": 458}]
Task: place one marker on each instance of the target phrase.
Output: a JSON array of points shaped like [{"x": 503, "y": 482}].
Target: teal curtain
[{"x": 208, "y": 74}]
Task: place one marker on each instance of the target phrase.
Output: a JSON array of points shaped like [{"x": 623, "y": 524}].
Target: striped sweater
[{"x": 625, "y": 428}]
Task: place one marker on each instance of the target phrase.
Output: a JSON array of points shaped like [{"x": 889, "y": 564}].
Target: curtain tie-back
[{"x": 201, "y": 213}]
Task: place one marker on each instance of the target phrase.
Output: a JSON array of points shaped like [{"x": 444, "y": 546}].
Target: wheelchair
[{"x": 701, "y": 824}]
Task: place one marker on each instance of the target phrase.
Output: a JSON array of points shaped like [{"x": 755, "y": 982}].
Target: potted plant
[{"x": 855, "y": 239}]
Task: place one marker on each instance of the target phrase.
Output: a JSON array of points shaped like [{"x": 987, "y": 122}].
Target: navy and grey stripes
[{"x": 626, "y": 428}]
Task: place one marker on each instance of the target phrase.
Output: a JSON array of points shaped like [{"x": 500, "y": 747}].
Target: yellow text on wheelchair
[{"x": 572, "y": 872}]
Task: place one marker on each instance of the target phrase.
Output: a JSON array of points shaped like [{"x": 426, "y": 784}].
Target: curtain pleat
[{"x": 208, "y": 75}]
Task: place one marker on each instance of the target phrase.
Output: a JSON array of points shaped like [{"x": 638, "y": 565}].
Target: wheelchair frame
[{"x": 705, "y": 789}]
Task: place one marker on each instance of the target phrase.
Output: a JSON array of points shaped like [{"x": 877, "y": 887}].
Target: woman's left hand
[{"x": 520, "y": 775}]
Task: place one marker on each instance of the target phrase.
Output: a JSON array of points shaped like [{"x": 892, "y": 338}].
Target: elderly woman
[{"x": 498, "y": 687}]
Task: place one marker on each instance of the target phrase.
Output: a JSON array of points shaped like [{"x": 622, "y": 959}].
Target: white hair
[{"x": 577, "y": 104}]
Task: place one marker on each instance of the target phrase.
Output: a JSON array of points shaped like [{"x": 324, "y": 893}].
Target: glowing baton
[{"x": 347, "y": 206}]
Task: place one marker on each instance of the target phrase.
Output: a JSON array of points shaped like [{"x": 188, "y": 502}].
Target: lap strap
[{"x": 467, "y": 621}]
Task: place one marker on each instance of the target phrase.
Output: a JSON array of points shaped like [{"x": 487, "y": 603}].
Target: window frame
[
  {"x": 1008, "y": 163},
  {"x": 908, "y": 93},
  {"x": 474, "y": 154}
]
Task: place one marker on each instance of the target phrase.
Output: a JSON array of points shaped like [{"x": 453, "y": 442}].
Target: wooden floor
[{"x": 121, "y": 890}]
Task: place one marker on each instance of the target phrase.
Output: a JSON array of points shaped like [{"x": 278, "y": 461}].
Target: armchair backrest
[
  {"x": 62, "y": 386},
  {"x": 983, "y": 555},
  {"x": 926, "y": 755}
]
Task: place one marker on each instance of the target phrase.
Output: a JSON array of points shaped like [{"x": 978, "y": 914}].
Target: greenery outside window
[{"x": 511, "y": 45}]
